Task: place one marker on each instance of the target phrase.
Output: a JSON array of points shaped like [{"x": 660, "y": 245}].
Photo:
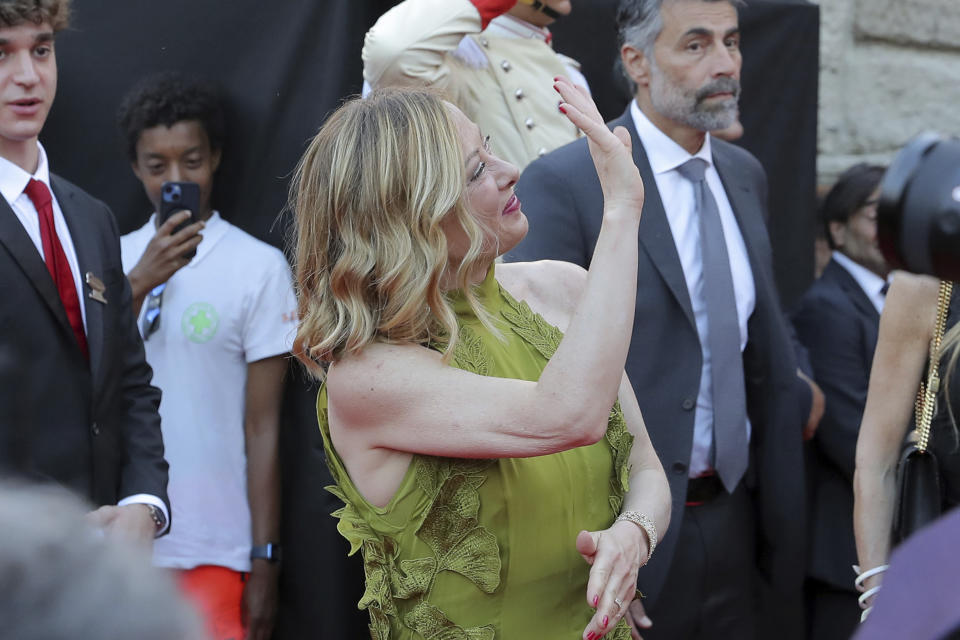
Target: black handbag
[{"x": 919, "y": 498}]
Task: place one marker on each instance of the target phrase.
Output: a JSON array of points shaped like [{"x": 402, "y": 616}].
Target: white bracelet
[
  {"x": 644, "y": 523},
  {"x": 862, "y": 576}
]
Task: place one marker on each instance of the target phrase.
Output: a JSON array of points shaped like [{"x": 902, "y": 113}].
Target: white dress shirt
[
  {"x": 676, "y": 193},
  {"x": 871, "y": 283}
]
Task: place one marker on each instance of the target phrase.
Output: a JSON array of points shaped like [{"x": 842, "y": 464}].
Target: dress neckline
[{"x": 486, "y": 292}]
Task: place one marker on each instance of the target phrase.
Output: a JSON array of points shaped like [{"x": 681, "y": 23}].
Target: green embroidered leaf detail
[
  {"x": 476, "y": 558},
  {"x": 379, "y": 624},
  {"x": 350, "y": 524},
  {"x": 620, "y": 632},
  {"x": 430, "y": 473},
  {"x": 451, "y": 530},
  {"x": 432, "y": 624},
  {"x": 621, "y": 442},
  {"x": 376, "y": 568},
  {"x": 480, "y": 633},
  {"x": 413, "y": 577},
  {"x": 542, "y": 336},
  {"x": 460, "y": 494},
  {"x": 469, "y": 354}
]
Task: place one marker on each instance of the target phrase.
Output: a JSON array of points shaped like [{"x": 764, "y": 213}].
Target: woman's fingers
[
  {"x": 620, "y": 587},
  {"x": 613, "y": 577}
]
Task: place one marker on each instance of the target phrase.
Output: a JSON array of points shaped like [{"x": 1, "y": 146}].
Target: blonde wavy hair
[{"x": 368, "y": 197}]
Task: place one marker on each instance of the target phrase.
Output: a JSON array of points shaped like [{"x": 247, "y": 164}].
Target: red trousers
[{"x": 217, "y": 593}]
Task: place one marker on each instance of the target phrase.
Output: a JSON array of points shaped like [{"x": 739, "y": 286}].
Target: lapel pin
[{"x": 97, "y": 288}]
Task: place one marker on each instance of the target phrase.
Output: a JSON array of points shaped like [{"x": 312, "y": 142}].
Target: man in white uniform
[
  {"x": 217, "y": 328},
  {"x": 494, "y": 58}
]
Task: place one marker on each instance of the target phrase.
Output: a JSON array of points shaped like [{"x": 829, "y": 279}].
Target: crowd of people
[{"x": 560, "y": 396}]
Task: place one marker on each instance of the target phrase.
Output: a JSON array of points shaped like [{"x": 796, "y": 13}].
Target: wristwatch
[
  {"x": 269, "y": 552},
  {"x": 157, "y": 516}
]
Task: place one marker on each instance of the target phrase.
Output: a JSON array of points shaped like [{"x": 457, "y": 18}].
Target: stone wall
[{"x": 889, "y": 69}]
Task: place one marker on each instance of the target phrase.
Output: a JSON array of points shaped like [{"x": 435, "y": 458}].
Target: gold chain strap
[{"x": 927, "y": 395}]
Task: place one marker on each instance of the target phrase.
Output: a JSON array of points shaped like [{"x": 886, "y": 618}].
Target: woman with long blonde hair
[{"x": 475, "y": 415}]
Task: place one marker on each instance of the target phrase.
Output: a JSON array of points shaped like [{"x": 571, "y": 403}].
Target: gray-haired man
[{"x": 710, "y": 358}]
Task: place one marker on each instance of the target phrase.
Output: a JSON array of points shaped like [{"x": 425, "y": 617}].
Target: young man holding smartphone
[{"x": 217, "y": 328}]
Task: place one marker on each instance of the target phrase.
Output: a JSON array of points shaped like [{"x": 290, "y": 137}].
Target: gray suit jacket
[
  {"x": 561, "y": 196},
  {"x": 90, "y": 426}
]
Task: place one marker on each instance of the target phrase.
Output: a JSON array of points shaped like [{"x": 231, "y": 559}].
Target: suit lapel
[
  {"x": 744, "y": 203},
  {"x": 85, "y": 244},
  {"x": 852, "y": 288},
  {"x": 858, "y": 297},
  {"x": 16, "y": 240},
  {"x": 655, "y": 234}
]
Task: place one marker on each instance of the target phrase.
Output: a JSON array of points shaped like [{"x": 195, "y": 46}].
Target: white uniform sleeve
[
  {"x": 408, "y": 45},
  {"x": 270, "y": 321}
]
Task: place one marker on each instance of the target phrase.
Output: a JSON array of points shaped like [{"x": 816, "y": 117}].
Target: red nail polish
[
  {"x": 591, "y": 636},
  {"x": 606, "y": 619},
  {"x": 596, "y": 599},
  {"x": 556, "y": 78},
  {"x": 562, "y": 110}
]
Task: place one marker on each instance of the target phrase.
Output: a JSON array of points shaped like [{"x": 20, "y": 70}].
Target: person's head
[
  {"x": 173, "y": 127},
  {"x": 28, "y": 73},
  {"x": 849, "y": 215},
  {"x": 538, "y": 16},
  {"x": 683, "y": 57},
  {"x": 396, "y": 199},
  {"x": 62, "y": 580}
]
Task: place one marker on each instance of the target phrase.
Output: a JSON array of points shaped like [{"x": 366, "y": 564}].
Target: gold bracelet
[{"x": 644, "y": 523}]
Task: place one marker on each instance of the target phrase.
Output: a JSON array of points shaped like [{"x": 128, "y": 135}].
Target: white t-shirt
[{"x": 232, "y": 305}]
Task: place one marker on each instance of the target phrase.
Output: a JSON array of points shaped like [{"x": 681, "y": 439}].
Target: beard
[{"x": 689, "y": 106}]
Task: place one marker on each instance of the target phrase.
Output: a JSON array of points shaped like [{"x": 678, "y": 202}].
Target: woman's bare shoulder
[
  {"x": 911, "y": 304},
  {"x": 552, "y": 288}
]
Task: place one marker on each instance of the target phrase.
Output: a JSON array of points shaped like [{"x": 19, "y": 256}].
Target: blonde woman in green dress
[{"x": 489, "y": 451}]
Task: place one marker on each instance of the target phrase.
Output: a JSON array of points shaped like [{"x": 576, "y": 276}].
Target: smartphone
[{"x": 179, "y": 196}]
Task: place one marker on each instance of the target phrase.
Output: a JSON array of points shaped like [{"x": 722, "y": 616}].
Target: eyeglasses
[{"x": 151, "y": 317}]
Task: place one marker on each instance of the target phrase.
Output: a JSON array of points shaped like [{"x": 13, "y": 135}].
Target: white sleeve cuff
[{"x": 146, "y": 498}]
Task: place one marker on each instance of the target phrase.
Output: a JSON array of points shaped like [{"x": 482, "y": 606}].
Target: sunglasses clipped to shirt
[{"x": 151, "y": 317}]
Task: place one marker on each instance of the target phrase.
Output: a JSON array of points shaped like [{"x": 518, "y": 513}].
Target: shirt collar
[
  {"x": 662, "y": 151},
  {"x": 870, "y": 282},
  {"x": 13, "y": 179},
  {"x": 507, "y": 26}
]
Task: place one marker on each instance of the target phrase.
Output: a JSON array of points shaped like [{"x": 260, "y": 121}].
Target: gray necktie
[{"x": 723, "y": 334}]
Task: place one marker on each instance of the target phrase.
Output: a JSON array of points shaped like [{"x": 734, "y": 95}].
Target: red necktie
[{"x": 56, "y": 260}]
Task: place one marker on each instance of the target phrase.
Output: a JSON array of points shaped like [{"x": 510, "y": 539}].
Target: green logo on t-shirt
[{"x": 199, "y": 322}]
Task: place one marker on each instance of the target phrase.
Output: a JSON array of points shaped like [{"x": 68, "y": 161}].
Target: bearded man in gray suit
[{"x": 710, "y": 359}]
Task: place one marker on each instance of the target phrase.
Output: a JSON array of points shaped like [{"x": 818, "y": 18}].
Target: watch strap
[{"x": 269, "y": 552}]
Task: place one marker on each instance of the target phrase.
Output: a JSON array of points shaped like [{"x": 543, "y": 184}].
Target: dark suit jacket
[
  {"x": 92, "y": 427},
  {"x": 562, "y": 198},
  {"x": 838, "y": 324}
]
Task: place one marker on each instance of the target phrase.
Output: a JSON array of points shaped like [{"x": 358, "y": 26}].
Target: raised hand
[{"x": 611, "y": 151}]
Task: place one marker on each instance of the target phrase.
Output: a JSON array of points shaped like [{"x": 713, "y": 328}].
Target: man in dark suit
[
  {"x": 710, "y": 359},
  {"x": 837, "y": 320},
  {"x": 76, "y": 404}
]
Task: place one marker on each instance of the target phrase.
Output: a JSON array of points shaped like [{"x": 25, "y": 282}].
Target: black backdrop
[{"x": 283, "y": 66}]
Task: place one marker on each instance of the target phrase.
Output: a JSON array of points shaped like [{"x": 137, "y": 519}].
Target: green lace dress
[{"x": 484, "y": 549}]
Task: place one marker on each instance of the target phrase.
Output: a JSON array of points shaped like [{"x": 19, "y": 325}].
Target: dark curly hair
[
  {"x": 56, "y": 13},
  {"x": 166, "y": 99}
]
